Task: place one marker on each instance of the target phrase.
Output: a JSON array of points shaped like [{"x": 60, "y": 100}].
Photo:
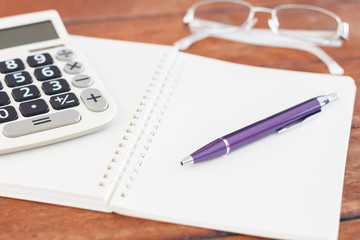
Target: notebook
[{"x": 169, "y": 104}]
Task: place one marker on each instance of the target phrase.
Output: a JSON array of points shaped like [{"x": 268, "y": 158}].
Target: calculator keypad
[{"x": 37, "y": 97}]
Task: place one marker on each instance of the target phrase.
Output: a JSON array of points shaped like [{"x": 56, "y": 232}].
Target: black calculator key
[
  {"x": 11, "y": 65},
  {"x": 39, "y": 60},
  {"x": 47, "y": 73},
  {"x": 64, "y": 101},
  {"x": 1, "y": 86},
  {"x": 4, "y": 99},
  {"x": 25, "y": 93},
  {"x": 55, "y": 86},
  {"x": 18, "y": 79},
  {"x": 7, "y": 114},
  {"x": 33, "y": 108}
]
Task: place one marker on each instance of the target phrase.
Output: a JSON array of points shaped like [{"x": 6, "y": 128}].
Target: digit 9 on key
[{"x": 39, "y": 60}]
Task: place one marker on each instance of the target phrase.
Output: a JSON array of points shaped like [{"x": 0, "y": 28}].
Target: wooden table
[{"x": 160, "y": 21}]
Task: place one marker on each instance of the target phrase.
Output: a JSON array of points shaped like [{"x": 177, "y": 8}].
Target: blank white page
[
  {"x": 69, "y": 173},
  {"x": 283, "y": 186}
]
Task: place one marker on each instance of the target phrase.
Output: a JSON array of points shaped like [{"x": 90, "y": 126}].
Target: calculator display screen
[{"x": 31, "y": 33}]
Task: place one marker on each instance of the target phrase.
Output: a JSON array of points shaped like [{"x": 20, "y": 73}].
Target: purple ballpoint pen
[{"x": 273, "y": 124}]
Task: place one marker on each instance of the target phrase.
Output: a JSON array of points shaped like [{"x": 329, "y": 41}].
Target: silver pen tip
[
  {"x": 186, "y": 161},
  {"x": 325, "y": 99},
  {"x": 332, "y": 97}
]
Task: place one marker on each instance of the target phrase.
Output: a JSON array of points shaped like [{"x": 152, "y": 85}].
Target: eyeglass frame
[{"x": 342, "y": 30}]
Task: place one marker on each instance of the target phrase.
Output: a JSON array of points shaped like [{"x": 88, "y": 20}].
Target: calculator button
[
  {"x": 1, "y": 86},
  {"x": 55, "y": 86},
  {"x": 74, "y": 67},
  {"x": 41, "y": 123},
  {"x": 4, "y": 99},
  {"x": 82, "y": 81},
  {"x": 25, "y": 93},
  {"x": 7, "y": 114},
  {"x": 94, "y": 100},
  {"x": 65, "y": 55},
  {"x": 11, "y": 65},
  {"x": 33, "y": 108},
  {"x": 47, "y": 73},
  {"x": 18, "y": 79},
  {"x": 64, "y": 101},
  {"x": 39, "y": 60}
]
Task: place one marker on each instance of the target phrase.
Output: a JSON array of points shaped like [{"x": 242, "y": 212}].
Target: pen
[{"x": 277, "y": 123}]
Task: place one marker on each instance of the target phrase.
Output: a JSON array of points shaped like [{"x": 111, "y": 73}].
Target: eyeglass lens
[
  {"x": 226, "y": 13},
  {"x": 305, "y": 19}
]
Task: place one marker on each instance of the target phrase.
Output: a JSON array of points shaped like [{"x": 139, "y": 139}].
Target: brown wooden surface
[{"x": 160, "y": 21}]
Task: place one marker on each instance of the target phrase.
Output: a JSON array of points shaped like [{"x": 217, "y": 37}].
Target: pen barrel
[
  {"x": 256, "y": 130},
  {"x": 272, "y": 124},
  {"x": 212, "y": 150}
]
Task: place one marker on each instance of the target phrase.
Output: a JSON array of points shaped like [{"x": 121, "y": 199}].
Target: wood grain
[{"x": 159, "y": 21}]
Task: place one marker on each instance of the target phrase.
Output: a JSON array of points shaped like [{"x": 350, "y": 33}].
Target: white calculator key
[
  {"x": 41, "y": 123},
  {"x": 82, "y": 81},
  {"x": 74, "y": 67},
  {"x": 94, "y": 100},
  {"x": 65, "y": 54}
]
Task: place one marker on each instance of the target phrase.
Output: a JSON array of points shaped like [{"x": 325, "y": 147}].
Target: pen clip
[{"x": 297, "y": 123}]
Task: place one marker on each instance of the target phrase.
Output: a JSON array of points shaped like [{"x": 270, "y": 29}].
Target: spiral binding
[{"x": 128, "y": 157}]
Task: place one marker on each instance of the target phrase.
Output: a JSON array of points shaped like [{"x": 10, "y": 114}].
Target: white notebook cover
[{"x": 283, "y": 186}]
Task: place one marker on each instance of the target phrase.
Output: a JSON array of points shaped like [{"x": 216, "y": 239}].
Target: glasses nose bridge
[
  {"x": 252, "y": 20},
  {"x": 261, "y": 9}
]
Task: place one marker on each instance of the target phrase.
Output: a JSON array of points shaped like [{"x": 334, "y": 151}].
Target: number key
[
  {"x": 55, "y": 86},
  {"x": 4, "y": 99},
  {"x": 7, "y": 114},
  {"x": 40, "y": 60},
  {"x": 18, "y": 79},
  {"x": 47, "y": 73},
  {"x": 11, "y": 65},
  {"x": 25, "y": 93}
]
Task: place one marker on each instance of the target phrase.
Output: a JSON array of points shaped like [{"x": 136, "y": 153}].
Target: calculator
[{"x": 48, "y": 90}]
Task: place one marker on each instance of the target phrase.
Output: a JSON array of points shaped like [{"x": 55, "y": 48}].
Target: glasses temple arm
[
  {"x": 266, "y": 38},
  {"x": 186, "y": 42}
]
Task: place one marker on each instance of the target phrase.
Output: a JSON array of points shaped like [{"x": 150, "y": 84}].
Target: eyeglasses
[
  {"x": 295, "y": 20},
  {"x": 307, "y": 23}
]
